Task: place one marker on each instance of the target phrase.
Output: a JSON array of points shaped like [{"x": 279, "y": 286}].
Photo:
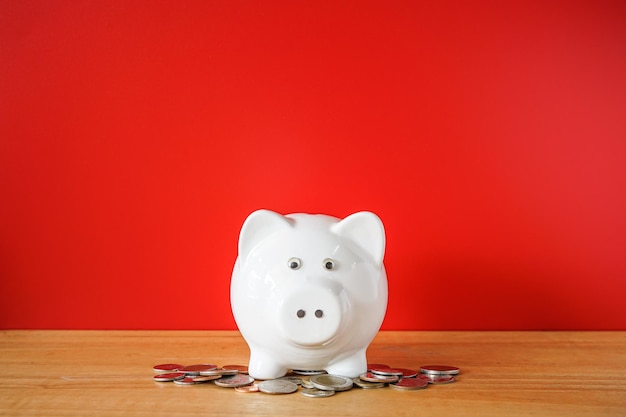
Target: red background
[{"x": 136, "y": 136}]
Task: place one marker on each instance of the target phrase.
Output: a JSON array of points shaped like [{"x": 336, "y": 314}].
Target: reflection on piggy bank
[{"x": 309, "y": 292}]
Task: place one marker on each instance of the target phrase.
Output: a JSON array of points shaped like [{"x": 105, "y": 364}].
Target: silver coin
[
  {"x": 185, "y": 381},
  {"x": 219, "y": 372},
  {"x": 367, "y": 385},
  {"x": 211, "y": 372},
  {"x": 296, "y": 380},
  {"x": 277, "y": 386},
  {"x": 370, "y": 377},
  {"x": 248, "y": 388},
  {"x": 307, "y": 384},
  {"x": 242, "y": 369},
  {"x": 226, "y": 372},
  {"x": 308, "y": 372},
  {"x": 204, "y": 378},
  {"x": 439, "y": 370},
  {"x": 387, "y": 371},
  {"x": 409, "y": 384},
  {"x": 233, "y": 381},
  {"x": 442, "y": 379},
  {"x": 196, "y": 369},
  {"x": 168, "y": 377},
  {"x": 317, "y": 393},
  {"x": 436, "y": 379},
  {"x": 331, "y": 382}
]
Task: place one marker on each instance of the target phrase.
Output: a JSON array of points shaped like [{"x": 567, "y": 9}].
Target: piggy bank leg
[
  {"x": 264, "y": 366},
  {"x": 349, "y": 366}
]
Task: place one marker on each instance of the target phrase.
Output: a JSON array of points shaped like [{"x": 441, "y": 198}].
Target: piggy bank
[{"x": 309, "y": 291}]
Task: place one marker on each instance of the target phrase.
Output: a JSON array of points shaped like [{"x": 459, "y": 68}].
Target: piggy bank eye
[
  {"x": 294, "y": 263},
  {"x": 329, "y": 264}
]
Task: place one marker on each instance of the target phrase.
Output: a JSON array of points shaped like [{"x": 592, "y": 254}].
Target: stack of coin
[
  {"x": 438, "y": 374},
  {"x": 319, "y": 384},
  {"x": 406, "y": 379},
  {"x": 202, "y": 373}
]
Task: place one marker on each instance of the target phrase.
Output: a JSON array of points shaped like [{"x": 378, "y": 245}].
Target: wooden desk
[{"x": 109, "y": 373}]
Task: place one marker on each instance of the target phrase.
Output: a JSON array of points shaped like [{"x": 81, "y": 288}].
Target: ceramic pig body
[{"x": 309, "y": 292}]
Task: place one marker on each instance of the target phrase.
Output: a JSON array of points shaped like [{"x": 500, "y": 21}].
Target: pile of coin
[{"x": 318, "y": 384}]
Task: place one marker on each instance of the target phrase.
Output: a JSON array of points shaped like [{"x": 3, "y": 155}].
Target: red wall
[{"x": 136, "y": 136}]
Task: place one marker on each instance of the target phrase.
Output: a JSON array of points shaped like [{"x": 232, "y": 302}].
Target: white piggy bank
[{"x": 309, "y": 292}]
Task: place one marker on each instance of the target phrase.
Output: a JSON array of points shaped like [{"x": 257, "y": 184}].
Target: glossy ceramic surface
[{"x": 309, "y": 291}]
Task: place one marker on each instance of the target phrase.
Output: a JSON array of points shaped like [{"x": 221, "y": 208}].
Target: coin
[
  {"x": 320, "y": 384},
  {"x": 219, "y": 372},
  {"x": 195, "y": 369},
  {"x": 234, "y": 381},
  {"x": 241, "y": 368},
  {"x": 167, "y": 367},
  {"x": 308, "y": 372},
  {"x": 185, "y": 381},
  {"x": 439, "y": 370},
  {"x": 168, "y": 377},
  {"x": 248, "y": 388},
  {"x": 317, "y": 393},
  {"x": 296, "y": 380},
  {"x": 437, "y": 379},
  {"x": 370, "y": 377},
  {"x": 387, "y": 371},
  {"x": 277, "y": 386},
  {"x": 367, "y": 385},
  {"x": 407, "y": 373},
  {"x": 331, "y": 382},
  {"x": 205, "y": 378},
  {"x": 409, "y": 384}
]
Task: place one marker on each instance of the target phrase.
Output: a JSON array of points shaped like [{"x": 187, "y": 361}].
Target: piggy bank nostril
[
  {"x": 301, "y": 313},
  {"x": 319, "y": 314}
]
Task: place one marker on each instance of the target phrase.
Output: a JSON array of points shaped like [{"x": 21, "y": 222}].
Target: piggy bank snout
[{"x": 311, "y": 316}]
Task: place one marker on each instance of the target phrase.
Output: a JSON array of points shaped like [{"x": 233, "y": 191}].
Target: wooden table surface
[{"x": 109, "y": 373}]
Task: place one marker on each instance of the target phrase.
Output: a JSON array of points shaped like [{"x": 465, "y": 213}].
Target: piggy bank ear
[
  {"x": 365, "y": 230},
  {"x": 258, "y": 226}
]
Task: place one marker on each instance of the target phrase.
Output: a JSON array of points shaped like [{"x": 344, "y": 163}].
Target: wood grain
[{"x": 109, "y": 373}]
